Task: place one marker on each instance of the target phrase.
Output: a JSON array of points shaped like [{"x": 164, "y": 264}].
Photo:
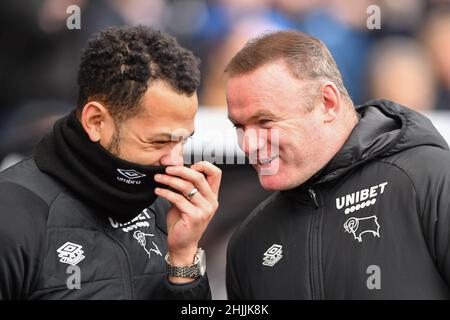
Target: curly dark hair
[{"x": 119, "y": 64}]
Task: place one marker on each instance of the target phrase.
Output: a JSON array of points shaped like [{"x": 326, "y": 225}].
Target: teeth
[{"x": 266, "y": 161}]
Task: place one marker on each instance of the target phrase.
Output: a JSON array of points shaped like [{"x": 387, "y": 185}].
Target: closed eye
[
  {"x": 265, "y": 122},
  {"x": 160, "y": 143}
]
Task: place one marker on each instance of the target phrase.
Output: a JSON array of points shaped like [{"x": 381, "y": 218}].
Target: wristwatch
[{"x": 195, "y": 270}]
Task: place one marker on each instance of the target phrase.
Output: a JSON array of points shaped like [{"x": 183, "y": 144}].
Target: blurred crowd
[{"x": 407, "y": 60}]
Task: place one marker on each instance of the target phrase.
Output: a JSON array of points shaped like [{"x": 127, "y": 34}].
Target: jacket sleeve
[
  {"x": 232, "y": 281},
  {"x": 196, "y": 290},
  {"x": 432, "y": 183},
  {"x": 438, "y": 210},
  {"x": 20, "y": 210}
]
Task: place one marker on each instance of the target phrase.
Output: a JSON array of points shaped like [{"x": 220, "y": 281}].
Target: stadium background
[{"x": 406, "y": 60}]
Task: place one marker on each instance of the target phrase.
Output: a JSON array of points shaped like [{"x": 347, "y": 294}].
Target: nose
[
  {"x": 174, "y": 157},
  {"x": 252, "y": 141}
]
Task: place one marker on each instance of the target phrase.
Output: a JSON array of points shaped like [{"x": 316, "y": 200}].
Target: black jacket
[
  {"x": 373, "y": 224},
  {"x": 50, "y": 235}
]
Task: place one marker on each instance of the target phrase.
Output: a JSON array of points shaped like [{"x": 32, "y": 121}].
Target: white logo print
[
  {"x": 359, "y": 226},
  {"x": 360, "y": 199},
  {"x": 70, "y": 253},
  {"x": 131, "y": 175},
  {"x": 273, "y": 255},
  {"x": 142, "y": 220},
  {"x": 141, "y": 238}
]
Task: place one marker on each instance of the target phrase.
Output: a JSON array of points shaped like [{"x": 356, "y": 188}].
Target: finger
[
  {"x": 184, "y": 187},
  {"x": 200, "y": 202},
  {"x": 213, "y": 174},
  {"x": 177, "y": 200},
  {"x": 196, "y": 178}
]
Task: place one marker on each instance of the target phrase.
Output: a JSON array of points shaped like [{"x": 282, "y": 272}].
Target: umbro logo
[
  {"x": 70, "y": 253},
  {"x": 273, "y": 255},
  {"x": 131, "y": 175}
]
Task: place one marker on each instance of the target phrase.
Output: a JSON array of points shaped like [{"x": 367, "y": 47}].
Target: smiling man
[
  {"x": 105, "y": 209},
  {"x": 360, "y": 207}
]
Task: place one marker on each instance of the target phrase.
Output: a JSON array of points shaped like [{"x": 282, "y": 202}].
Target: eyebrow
[{"x": 260, "y": 113}]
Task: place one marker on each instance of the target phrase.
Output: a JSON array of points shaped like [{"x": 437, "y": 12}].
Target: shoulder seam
[
  {"x": 27, "y": 189},
  {"x": 42, "y": 252},
  {"x": 410, "y": 180}
]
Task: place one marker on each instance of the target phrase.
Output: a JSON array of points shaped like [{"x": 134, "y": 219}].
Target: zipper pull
[{"x": 313, "y": 196}]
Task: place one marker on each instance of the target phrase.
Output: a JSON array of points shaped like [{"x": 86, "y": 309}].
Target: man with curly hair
[{"x": 105, "y": 208}]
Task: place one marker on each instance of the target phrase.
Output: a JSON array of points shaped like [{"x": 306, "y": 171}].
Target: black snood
[{"x": 114, "y": 187}]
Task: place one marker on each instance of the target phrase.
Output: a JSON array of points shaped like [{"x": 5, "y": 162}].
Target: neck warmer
[{"x": 114, "y": 187}]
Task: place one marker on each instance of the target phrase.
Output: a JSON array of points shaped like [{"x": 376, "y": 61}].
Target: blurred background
[{"x": 406, "y": 60}]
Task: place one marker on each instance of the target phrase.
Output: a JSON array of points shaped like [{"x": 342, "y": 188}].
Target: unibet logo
[
  {"x": 131, "y": 175},
  {"x": 360, "y": 199}
]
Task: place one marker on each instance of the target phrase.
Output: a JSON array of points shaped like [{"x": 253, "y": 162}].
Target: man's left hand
[{"x": 188, "y": 218}]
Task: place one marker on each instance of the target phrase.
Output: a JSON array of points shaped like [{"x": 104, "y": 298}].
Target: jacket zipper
[
  {"x": 129, "y": 276},
  {"x": 314, "y": 248},
  {"x": 312, "y": 195}
]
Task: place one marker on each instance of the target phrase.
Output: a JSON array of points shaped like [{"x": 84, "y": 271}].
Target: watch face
[{"x": 202, "y": 263}]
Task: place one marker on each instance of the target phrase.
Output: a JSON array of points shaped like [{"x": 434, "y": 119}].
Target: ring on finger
[{"x": 191, "y": 194}]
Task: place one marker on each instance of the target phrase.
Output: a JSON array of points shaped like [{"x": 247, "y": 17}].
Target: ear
[
  {"x": 331, "y": 100},
  {"x": 93, "y": 118}
]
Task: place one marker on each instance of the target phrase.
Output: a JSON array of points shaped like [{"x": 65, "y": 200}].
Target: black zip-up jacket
[
  {"x": 46, "y": 232},
  {"x": 373, "y": 224}
]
